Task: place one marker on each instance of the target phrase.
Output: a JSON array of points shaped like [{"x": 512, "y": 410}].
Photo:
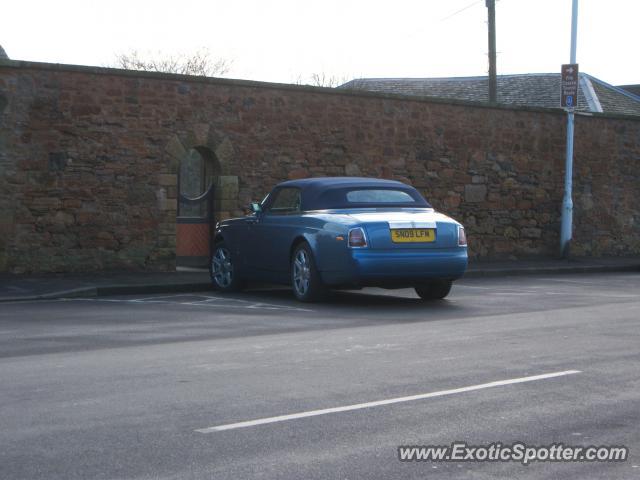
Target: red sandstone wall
[{"x": 88, "y": 163}]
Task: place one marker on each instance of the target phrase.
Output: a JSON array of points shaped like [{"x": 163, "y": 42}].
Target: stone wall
[{"x": 88, "y": 163}]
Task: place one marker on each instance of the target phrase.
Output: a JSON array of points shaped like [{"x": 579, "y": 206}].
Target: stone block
[
  {"x": 475, "y": 193},
  {"x": 175, "y": 148},
  {"x": 227, "y": 186},
  {"x": 167, "y": 179},
  {"x": 227, "y": 204},
  {"x": 200, "y": 132},
  {"x": 352, "y": 170},
  {"x": 478, "y": 179},
  {"x": 511, "y": 232},
  {"x": 298, "y": 173},
  {"x": 531, "y": 232},
  {"x": 225, "y": 155},
  {"x": 63, "y": 218},
  {"x": 169, "y": 205}
]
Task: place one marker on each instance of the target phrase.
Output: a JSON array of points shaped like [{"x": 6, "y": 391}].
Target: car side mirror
[{"x": 255, "y": 207}]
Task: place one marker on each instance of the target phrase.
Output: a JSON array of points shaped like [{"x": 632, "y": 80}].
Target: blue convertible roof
[
  {"x": 326, "y": 182},
  {"x": 329, "y": 192}
]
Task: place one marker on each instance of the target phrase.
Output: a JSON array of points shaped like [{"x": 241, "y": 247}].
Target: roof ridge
[
  {"x": 633, "y": 96},
  {"x": 589, "y": 93},
  {"x": 475, "y": 77}
]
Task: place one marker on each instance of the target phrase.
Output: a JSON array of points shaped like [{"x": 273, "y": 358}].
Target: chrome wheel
[
  {"x": 222, "y": 268},
  {"x": 301, "y": 272}
]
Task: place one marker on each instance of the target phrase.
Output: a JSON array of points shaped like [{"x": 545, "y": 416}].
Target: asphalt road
[{"x": 155, "y": 386}]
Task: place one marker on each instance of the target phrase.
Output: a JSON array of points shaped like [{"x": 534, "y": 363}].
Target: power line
[{"x": 461, "y": 10}]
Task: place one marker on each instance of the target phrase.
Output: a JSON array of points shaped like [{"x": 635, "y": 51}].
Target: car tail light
[
  {"x": 357, "y": 238},
  {"x": 462, "y": 237}
]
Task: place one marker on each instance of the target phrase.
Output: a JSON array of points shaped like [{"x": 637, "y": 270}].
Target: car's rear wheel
[
  {"x": 305, "y": 279},
  {"x": 434, "y": 290},
  {"x": 224, "y": 274}
]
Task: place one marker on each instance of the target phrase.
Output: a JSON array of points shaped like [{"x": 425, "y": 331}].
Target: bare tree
[
  {"x": 322, "y": 80},
  {"x": 198, "y": 63}
]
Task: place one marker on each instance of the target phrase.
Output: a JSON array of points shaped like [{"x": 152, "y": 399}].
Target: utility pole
[
  {"x": 566, "y": 229},
  {"x": 493, "y": 83}
]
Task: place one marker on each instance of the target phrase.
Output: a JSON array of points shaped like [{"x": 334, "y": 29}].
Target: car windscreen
[{"x": 371, "y": 197}]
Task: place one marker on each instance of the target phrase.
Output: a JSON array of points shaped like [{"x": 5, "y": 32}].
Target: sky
[{"x": 290, "y": 40}]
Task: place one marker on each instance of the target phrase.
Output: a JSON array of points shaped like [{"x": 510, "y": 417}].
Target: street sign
[{"x": 569, "y": 89}]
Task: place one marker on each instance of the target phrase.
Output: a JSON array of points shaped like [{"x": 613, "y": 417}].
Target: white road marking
[
  {"x": 462, "y": 285},
  {"x": 158, "y": 297},
  {"x": 209, "y": 301},
  {"x": 535, "y": 290},
  {"x": 379, "y": 403},
  {"x": 579, "y": 282},
  {"x": 518, "y": 294}
]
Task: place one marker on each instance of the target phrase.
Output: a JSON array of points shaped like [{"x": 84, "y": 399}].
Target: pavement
[
  {"x": 70, "y": 285},
  {"x": 257, "y": 385}
]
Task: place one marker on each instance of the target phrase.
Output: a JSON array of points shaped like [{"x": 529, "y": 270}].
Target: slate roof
[
  {"x": 535, "y": 90},
  {"x": 635, "y": 89}
]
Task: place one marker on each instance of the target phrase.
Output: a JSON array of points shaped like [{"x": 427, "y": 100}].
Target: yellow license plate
[{"x": 406, "y": 235}]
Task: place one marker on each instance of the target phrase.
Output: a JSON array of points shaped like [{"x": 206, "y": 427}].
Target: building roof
[
  {"x": 635, "y": 89},
  {"x": 3, "y": 54},
  {"x": 533, "y": 90}
]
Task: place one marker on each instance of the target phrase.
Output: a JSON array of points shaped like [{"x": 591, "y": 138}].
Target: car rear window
[
  {"x": 369, "y": 197},
  {"x": 378, "y": 196}
]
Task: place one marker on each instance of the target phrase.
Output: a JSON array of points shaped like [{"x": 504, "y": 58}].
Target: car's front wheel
[
  {"x": 224, "y": 274},
  {"x": 305, "y": 279},
  {"x": 434, "y": 290}
]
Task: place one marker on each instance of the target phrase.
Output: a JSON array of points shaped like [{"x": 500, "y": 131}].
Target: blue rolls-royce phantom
[{"x": 342, "y": 232}]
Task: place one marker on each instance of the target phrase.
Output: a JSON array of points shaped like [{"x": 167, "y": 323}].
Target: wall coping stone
[{"x": 61, "y": 67}]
